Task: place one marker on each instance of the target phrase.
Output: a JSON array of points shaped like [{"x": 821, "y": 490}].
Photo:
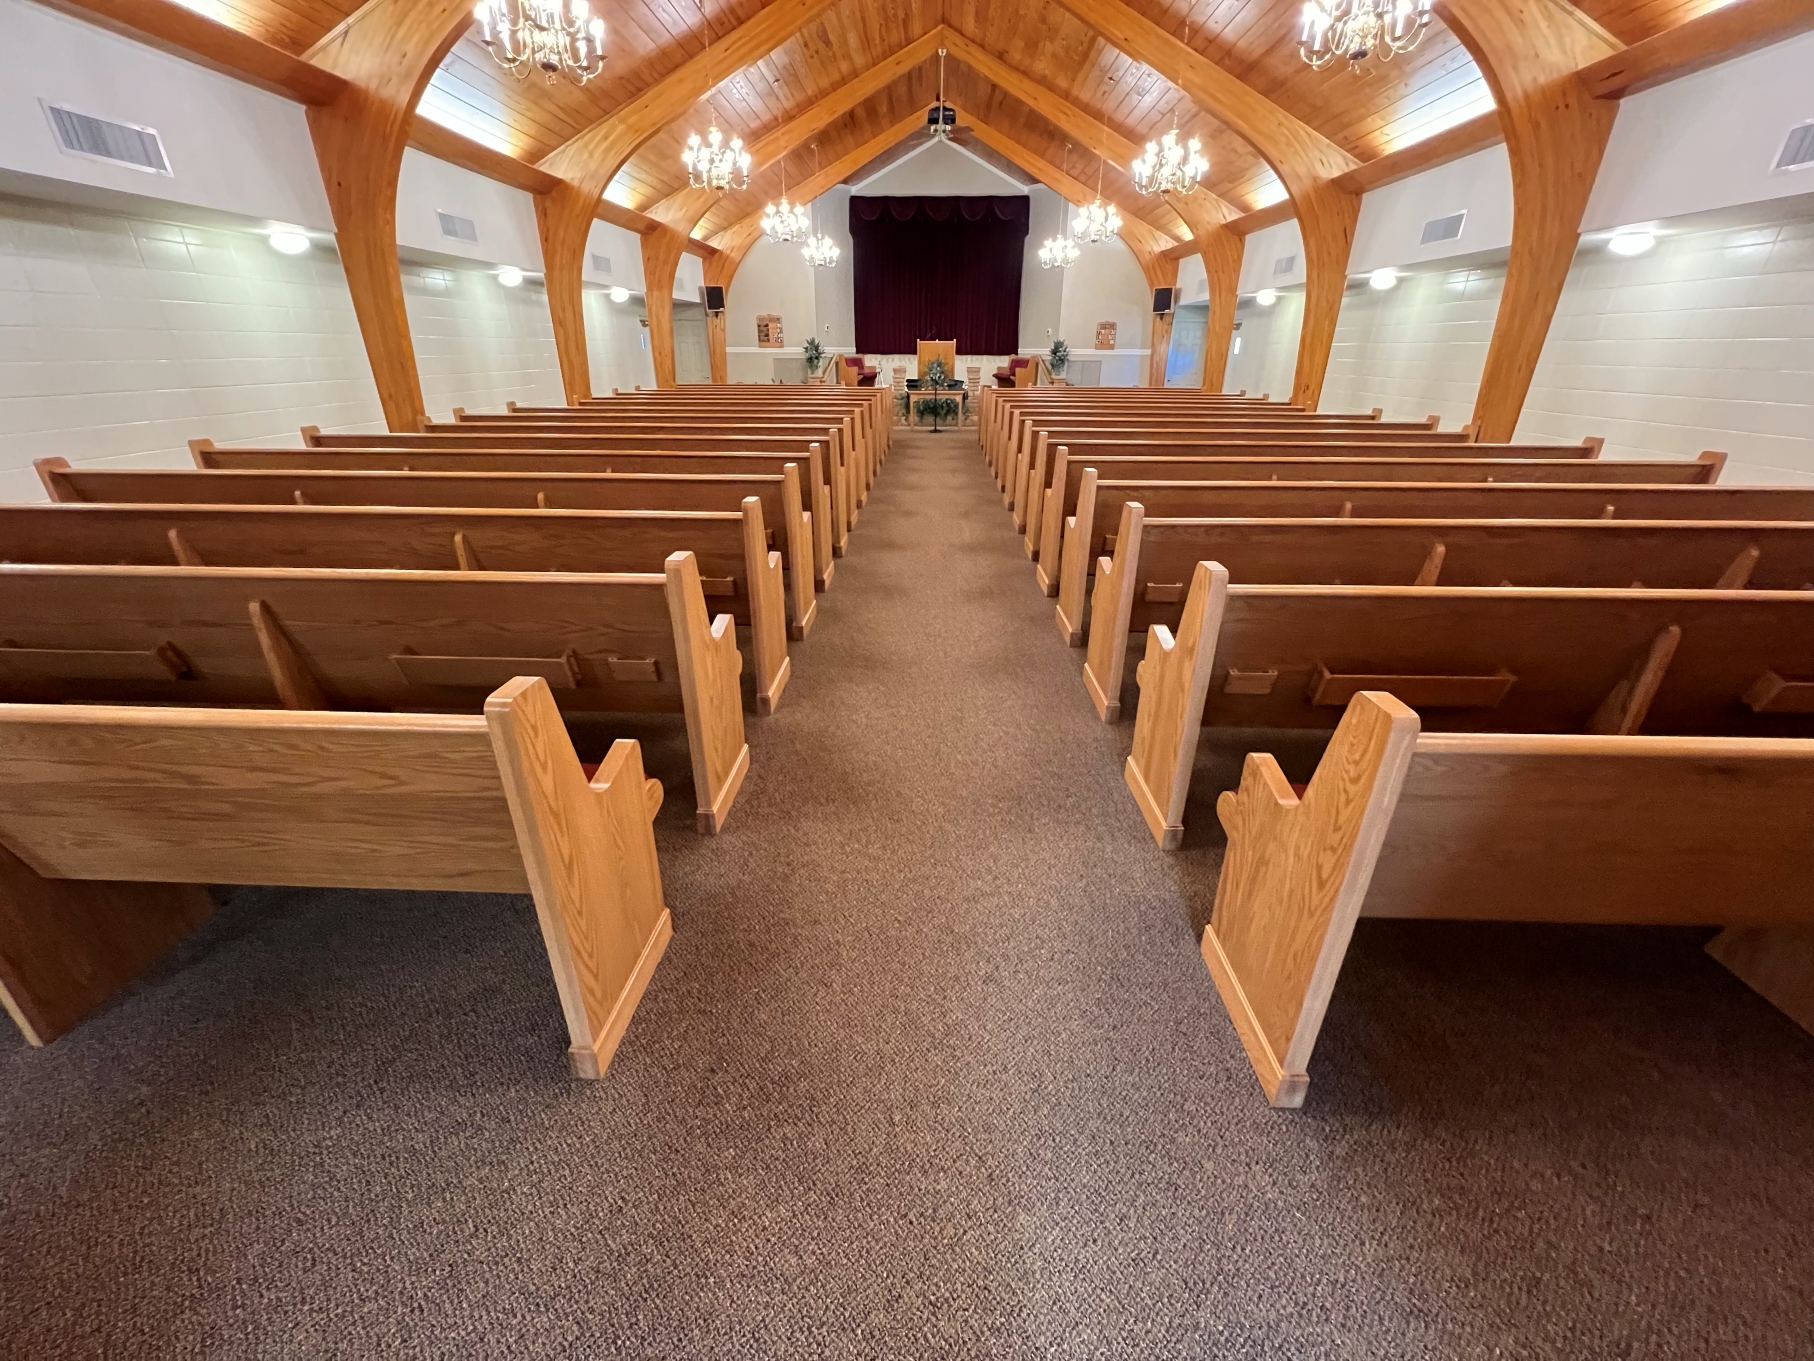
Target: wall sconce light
[
  {"x": 1630, "y": 243},
  {"x": 510, "y": 276},
  {"x": 619, "y": 293},
  {"x": 288, "y": 241},
  {"x": 1382, "y": 279},
  {"x": 1266, "y": 297}
]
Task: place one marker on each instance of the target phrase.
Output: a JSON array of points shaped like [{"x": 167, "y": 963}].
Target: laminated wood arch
[
  {"x": 1530, "y": 52},
  {"x": 1306, "y": 162},
  {"x": 386, "y": 52},
  {"x": 588, "y": 162}
]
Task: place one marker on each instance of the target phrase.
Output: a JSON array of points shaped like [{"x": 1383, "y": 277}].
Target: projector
[{"x": 940, "y": 119}]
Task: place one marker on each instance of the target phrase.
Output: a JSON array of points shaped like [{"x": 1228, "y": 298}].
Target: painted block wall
[
  {"x": 479, "y": 344},
  {"x": 1706, "y": 342},
  {"x": 1264, "y": 353}
]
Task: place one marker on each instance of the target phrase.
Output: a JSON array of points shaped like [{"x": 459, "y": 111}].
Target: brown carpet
[{"x": 932, "y": 1068}]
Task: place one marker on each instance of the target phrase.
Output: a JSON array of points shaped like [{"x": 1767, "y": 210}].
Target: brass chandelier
[
  {"x": 550, "y": 36},
  {"x": 1356, "y": 29}
]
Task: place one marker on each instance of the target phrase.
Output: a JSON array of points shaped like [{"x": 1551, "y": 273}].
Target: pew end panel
[
  {"x": 767, "y": 610},
  {"x": 1073, "y": 564},
  {"x": 710, "y": 666},
  {"x": 1293, "y": 879},
  {"x": 1174, "y": 685},
  {"x": 1111, "y": 609},
  {"x": 588, "y": 851}
]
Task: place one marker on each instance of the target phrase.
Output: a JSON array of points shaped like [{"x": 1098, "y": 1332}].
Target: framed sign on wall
[
  {"x": 1105, "y": 335},
  {"x": 768, "y": 331}
]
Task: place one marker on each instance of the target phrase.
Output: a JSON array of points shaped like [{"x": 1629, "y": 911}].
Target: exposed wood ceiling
[{"x": 1389, "y": 105}]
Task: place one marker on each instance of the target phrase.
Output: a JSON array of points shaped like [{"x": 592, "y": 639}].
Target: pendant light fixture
[
  {"x": 821, "y": 252},
  {"x": 1357, "y": 29},
  {"x": 1098, "y": 222},
  {"x": 1171, "y": 166},
  {"x": 554, "y": 37},
  {"x": 789, "y": 222},
  {"x": 1060, "y": 252},
  {"x": 710, "y": 163}
]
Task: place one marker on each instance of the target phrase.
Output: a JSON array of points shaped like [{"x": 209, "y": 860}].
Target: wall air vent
[
  {"x": 1798, "y": 148},
  {"x": 601, "y": 263},
  {"x": 458, "y": 228},
  {"x": 1443, "y": 228},
  {"x": 1284, "y": 265},
  {"x": 81, "y": 134}
]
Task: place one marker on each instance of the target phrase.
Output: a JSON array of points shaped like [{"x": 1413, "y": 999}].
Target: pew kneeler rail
[
  {"x": 113, "y": 819},
  {"x": 1396, "y": 822}
]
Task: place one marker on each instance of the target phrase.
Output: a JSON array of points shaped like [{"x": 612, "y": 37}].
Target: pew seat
[
  {"x": 113, "y": 820},
  {"x": 1494, "y": 826}
]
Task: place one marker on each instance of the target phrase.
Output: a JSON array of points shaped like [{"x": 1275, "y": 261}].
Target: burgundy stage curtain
[{"x": 938, "y": 268}]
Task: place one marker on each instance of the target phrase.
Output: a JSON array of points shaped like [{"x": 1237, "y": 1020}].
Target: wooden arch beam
[
  {"x": 386, "y": 53},
  {"x": 589, "y": 161},
  {"x": 1531, "y": 53},
  {"x": 1146, "y": 242},
  {"x": 1305, "y": 161}
]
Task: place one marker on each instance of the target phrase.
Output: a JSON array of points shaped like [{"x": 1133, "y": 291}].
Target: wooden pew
[
  {"x": 1444, "y": 501},
  {"x": 739, "y": 573},
  {"x": 834, "y": 505},
  {"x": 1397, "y": 822},
  {"x": 1035, "y": 476},
  {"x": 382, "y": 640},
  {"x": 384, "y": 459},
  {"x": 1143, "y": 584},
  {"x": 1000, "y": 406},
  {"x": 1701, "y": 663},
  {"x": 878, "y": 402},
  {"x": 780, "y": 496},
  {"x": 114, "y": 820},
  {"x": 1064, "y": 564},
  {"x": 1029, "y": 430},
  {"x": 844, "y": 435}
]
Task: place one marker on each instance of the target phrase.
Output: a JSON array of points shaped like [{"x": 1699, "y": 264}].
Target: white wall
[
  {"x": 1106, "y": 285},
  {"x": 1707, "y": 342},
  {"x": 617, "y": 343},
  {"x": 939, "y": 168},
  {"x": 1264, "y": 352},
  {"x": 503, "y": 216},
  {"x": 122, "y": 339},
  {"x": 1262, "y": 252},
  {"x": 479, "y": 344},
  {"x": 230, "y": 146},
  {"x": 834, "y": 295},
  {"x": 1041, "y": 289},
  {"x": 1707, "y": 140},
  {"x": 773, "y": 278},
  {"x": 1392, "y": 217},
  {"x": 1193, "y": 279},
  {"x": 622, "y": 248}
]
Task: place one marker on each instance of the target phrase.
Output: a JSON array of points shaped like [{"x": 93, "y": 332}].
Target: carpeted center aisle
[{"x": 932, "y": 1068}]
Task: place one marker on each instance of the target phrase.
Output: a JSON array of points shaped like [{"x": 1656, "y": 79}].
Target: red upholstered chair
[
  {"x": 856, "y": 373},
  {"x": 1008, "y": 377}
]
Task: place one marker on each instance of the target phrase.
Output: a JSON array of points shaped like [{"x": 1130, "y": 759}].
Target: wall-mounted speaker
[
  {"x": 1162, "y": 301},
  {"x": 714, "y": 297}
]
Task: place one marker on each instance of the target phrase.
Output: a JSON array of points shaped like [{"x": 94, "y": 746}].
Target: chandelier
[
  {"x": 786, "y": 223},
  {"x": 1097, "y": 222},
  {"x": 1058, "y": 252},
  {"x": 710, "y": 163},
  {"x": 1355, "y": 28},
  {"x": 821, "y": 252},
  {"x": 1169, "y": 167},
  {"x": 543, "y": 35}
]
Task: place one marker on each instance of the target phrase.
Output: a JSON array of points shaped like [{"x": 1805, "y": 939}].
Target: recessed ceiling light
[
  {"x": 1383, "y": 279},
  {"x": 288, "y": 241},
  {"x": 1266, "y": 297},
  {"x": 620, "y": 294},
  {"x": 1630, "y": 243},
  {"x": 510, "y": 276}
]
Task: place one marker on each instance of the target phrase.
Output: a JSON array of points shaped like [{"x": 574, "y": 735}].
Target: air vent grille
[
  {"x": 1798, "y": 148},
  {"x": 1284, "y": 265},
  {"x": 1443, "y": 228},
  {"x": 458, "y": 228},
  {"x": 601, "y": 263},
  {"x": 81, "y": 134}
]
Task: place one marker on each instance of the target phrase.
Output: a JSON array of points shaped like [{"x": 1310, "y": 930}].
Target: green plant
[
  {"x": 939, "y": 408},
  {"x": 814, "y": 354},
  {"x": 1057, "y": 357}
]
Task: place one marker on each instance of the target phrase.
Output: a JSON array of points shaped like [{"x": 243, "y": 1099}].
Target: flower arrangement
[
  {"x": 814, "y": 354},
  {"x": 940, "y": 408},
  {"x": 1057, "y": 357}
]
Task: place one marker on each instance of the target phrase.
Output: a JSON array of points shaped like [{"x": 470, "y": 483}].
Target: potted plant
[
  {"x": 814, "y": 354},
  {"x": 942, "y": 408},
  {"x": 1056, "y": 359}
]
